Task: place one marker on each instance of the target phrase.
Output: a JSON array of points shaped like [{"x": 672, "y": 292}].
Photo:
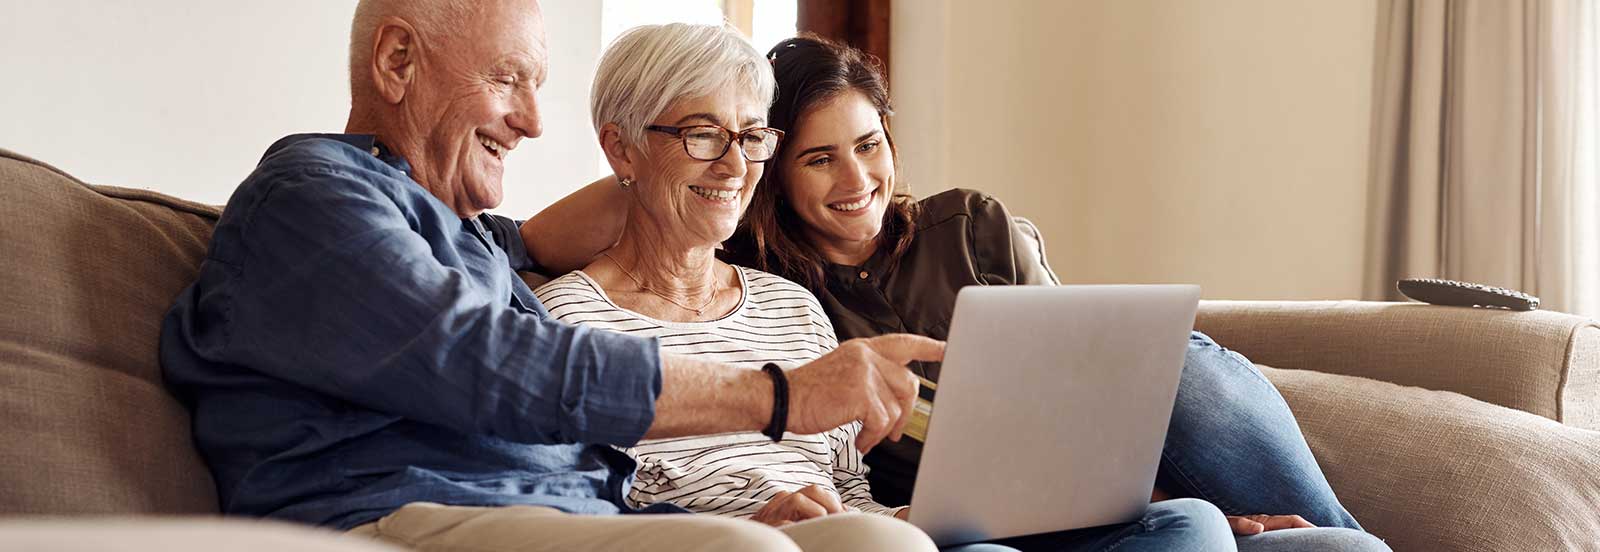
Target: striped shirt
[{"x": 732, "y": 474}]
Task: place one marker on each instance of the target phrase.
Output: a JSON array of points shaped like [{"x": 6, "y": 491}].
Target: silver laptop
[{"x": 1051, "y": 409}]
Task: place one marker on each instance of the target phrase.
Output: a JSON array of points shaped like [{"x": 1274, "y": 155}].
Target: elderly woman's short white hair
[{"x": 649, "y": 67}]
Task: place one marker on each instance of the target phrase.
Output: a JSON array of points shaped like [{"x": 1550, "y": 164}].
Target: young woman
[
  {"x": 827, "y": 216},
  {"x": 678, "y": 109}
]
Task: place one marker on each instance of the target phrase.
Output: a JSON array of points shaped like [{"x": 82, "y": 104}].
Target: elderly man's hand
[{"x": 864, "y": 379}]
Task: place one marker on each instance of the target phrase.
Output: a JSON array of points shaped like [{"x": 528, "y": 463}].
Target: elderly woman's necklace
[{"x": 636, "y": 281}]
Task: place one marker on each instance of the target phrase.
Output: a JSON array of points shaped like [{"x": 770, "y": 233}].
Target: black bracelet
[{"x": 780, "y": 403}]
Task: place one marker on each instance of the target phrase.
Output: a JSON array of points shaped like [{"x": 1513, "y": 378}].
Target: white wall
[
  {"x": 183, "y": 96},
  {"x": 1221, "y": 142}
]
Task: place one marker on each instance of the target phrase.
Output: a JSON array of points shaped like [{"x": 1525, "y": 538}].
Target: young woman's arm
[{"x": 569, "y": 234}]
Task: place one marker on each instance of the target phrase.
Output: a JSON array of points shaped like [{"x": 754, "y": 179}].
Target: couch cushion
[
  {"x": 88, "y": 274},
  {"x": 1435, "y": 470}
]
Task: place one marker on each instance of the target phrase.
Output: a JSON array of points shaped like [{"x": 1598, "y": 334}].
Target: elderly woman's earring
[{"x": 625, "y": 182}]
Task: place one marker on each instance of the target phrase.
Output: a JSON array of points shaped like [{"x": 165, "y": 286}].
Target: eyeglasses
[{"x": 710, "y": 142}]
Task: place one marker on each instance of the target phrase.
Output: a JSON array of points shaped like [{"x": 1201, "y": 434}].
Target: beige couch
[{"x": 1441, "y": 428}]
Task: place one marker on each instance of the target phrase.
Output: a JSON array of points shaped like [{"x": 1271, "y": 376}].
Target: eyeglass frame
[{"x": 731, "y": 135}]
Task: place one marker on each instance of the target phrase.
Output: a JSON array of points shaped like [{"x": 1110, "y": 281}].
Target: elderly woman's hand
[
  {"x": 786, "y": 507},
  {"x": 1256, "y": 524},
  {"x": 864, "y": 379}
]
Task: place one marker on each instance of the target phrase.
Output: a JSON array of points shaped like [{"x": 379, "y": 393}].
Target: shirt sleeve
[
  {"x": 850, "y": 473},
  {"x": 827, "y": 339},
  {"x": 341, "y": 295},
  {"x": 1008, "y": 252}
]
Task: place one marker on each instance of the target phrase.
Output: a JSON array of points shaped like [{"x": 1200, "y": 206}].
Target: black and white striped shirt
[{"x": 731, "y": 474}]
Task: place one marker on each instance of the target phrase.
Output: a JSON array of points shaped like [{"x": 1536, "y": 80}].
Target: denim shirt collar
[{"x": 364, "y": 142}]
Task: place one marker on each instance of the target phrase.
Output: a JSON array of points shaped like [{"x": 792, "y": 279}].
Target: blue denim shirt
[{"x": 353, "y": 345}]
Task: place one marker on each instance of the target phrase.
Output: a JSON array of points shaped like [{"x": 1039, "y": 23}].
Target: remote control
[{"x": 1464, "y": 294}]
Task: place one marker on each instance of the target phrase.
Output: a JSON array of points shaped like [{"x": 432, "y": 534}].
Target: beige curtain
[{"x": 1483, "y": 159}]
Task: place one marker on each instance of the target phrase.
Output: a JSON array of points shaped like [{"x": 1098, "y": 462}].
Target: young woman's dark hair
[{"x": 810, "y": 71}]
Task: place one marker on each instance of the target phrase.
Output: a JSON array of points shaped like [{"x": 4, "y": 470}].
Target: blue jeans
[
  {"x": 1234, "y": 443},
  {"x": 1178, "y": 524},
  {"x": 1183, "y": 524}
]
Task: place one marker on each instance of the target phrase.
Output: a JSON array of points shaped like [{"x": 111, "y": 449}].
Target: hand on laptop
[
  {"x": 864, "y": 379},
  {"x": 785, "y": 507},
  {"x": 1251, "y": 525}
]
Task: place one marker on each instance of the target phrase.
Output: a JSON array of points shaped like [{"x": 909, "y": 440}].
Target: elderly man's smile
[{"x": 496, "y": 149}]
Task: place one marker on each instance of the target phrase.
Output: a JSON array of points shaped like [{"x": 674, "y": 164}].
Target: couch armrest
[
  {"x": 1542, "y": 362},
  {"x": 1030, "y": 249}
]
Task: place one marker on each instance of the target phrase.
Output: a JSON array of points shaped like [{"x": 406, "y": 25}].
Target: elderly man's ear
[
  {"x": 617, "y": 152},
  {"x": 394, "y": 59}
]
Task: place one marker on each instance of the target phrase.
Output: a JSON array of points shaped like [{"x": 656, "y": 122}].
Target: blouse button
[{"x": 863, "y": 275}]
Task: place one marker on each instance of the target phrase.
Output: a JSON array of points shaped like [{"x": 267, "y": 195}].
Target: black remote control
[{"x": 1464, "y": 294}]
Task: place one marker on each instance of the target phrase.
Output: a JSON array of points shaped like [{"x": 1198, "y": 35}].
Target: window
[{"x": 764, "y": 22}]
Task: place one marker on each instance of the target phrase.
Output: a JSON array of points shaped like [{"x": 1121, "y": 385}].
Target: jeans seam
[
  {"x": 1243, "y": 362},
  {"x": 1203, "y": 491},
  {"x": 1144, "y": 527}
]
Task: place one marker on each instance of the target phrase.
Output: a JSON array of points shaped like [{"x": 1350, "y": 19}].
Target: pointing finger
[{"x": 904, "y": 348}]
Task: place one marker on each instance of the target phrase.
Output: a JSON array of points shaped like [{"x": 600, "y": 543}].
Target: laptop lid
[{"x": 1052, "y": 408}]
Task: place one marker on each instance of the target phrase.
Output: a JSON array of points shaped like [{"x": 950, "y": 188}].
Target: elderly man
[{"x": 358, "y": 354}]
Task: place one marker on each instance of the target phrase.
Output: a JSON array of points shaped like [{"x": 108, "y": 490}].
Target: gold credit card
[{"x": 917, "y": 427}]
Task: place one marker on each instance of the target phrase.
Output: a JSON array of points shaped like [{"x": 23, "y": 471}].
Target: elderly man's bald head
[{"x": 429, "y": 17}]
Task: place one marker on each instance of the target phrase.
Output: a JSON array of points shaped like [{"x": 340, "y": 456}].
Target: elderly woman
[{"x": 680, "y": 111}]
